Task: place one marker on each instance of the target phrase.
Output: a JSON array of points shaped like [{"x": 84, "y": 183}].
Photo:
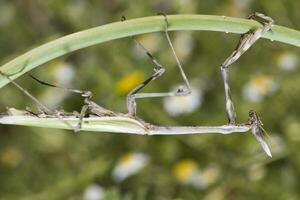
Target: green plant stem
[
  {"x": 89, "y": 37},
  {"x": 119, "y": 124}
]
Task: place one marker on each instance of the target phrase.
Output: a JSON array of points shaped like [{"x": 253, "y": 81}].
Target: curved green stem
[{"x": 89, "y": 37}]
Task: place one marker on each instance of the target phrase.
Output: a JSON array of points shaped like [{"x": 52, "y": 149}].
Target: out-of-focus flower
[
  {"x": 7, "y": 13},
  {"x": 210, "y": 174},
  {"x": 10, "y": 157},
  {"x": 237, "y": 7},
  {"x": 186, "y": 6},
  {"x": 256, "y": 172},
  {"x": 76, "y": 10},
  {"x": 292, "y": 130},
  {"x": 287, "y": 61},
  {"x": 150, "y": 41},
  {"x": 217, "y": 193},
  {"x": 258, "y": 87},
  {"x": 179, "y": 105},
  {"x": 187, "y": 172},
  {"x": 128, "y": 82},
  {"x": 277, "y": 143},
  {"x": 52, "y": 143},
  {"x": 64, "y": 74},
  {"x": 183, "y": 43},
  {"x": 128, "y": 165},
  {"x": 53, "y": 98},
  {"x": 93, "y": 192}
]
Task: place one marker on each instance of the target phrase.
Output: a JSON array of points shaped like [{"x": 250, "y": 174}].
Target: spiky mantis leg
[
  {"x": 158, "y": 71},
  {"x": 245, "y": 42},
  {"x": 89, "y": 106}
]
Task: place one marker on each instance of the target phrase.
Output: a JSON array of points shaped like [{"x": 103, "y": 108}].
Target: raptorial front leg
[
  {"x": 88, "y": 107},
  {"x": 87, "y": 95},
  {"x": 248, "y": 39},
  {"x": 158, "y": 71},
  {"x": 245, "y": 42},
  {"x": 132, "y": 95}
]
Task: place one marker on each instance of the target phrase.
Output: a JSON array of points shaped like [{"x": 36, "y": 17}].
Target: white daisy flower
[
  {"x": 287, "y": 61},
  {"x": 179, "y": 105},
  {"x": 128, "y": 165},
  {"x": 93, "y": 192},
  {"x": 64, "y": 74},
  {"x": 257, "y": 88},
  {"x": 256, "y": 172},
  {"x": 76, "y": 10},
  {"x": 183, "y": 44},
  {"x": 7, "y": 13},
  {"x": 151, "y": 42},
  {"x": 53, "y": 98},
  {"x": 210, "y": 175},
  {"x": 277, "y": 143},
  {"x": 186, "y": 6},
  {"x": 187, "y": 172}
]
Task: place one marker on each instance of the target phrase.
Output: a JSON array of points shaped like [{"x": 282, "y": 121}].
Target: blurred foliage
[{"x": 38, "y": 163}]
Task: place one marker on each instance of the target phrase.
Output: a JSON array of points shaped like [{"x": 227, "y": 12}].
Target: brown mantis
[
  {"x": 90, "y": 106},
  {"x": 247, "y": 40}
]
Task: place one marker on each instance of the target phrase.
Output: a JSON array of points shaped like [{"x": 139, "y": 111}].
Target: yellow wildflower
[
  {"x": 184, "y": 169},
  {"x": 10, "y": 157},
  {"x": 187, "y": 172},
  {"x": 128, "y": 82}
]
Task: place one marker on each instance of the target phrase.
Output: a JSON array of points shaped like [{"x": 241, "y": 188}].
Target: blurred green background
[{"x": 40, "y": 163}]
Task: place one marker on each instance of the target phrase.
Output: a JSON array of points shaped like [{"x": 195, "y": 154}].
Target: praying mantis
[{"x": 245, "y": 42}]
